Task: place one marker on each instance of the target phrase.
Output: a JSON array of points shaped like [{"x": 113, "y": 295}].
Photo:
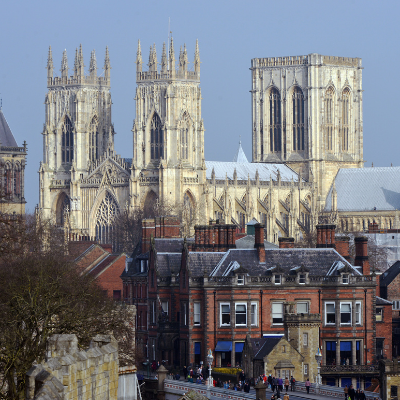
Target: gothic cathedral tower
[
  {"x": 77, "y": 133},
  {"x": 168, "y": 134},
  {"x": 307, "y": 113}
]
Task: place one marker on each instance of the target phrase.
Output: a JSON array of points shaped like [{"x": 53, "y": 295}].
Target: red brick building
[{"x": 209, "y": 294}]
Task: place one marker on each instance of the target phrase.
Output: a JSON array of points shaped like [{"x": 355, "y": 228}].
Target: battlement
[
  {"x": 78, "y": 81},
  {"x": 168, "y": 70},
  {"x": 310, "y": 59}
]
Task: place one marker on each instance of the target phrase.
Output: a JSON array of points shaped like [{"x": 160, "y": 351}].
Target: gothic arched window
[
  {"x": 275, "y": 127},
  {"x": 345, "y": 119},
  {"x": 157, "y": 138},
  {"x": 8, "y": 180},
  {"x": 94, "y": 140},
  {"x": 63, "y": 209},
  {"x": 329, "y": 118},
  {"x": 298, "y": 119},
  {"x": 67, "y": 141},
  {"x": 185, "y": 142},
  {"x": 105, "y": 218},
  {"x": 17, "y": 179}
]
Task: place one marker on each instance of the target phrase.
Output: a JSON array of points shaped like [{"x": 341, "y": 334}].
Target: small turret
[
  {"x": 139, "y": 60},
  {"x": 76, "y": 63},
  {"x": 50, "y": 67},
  {"x": 197, "y": 58},
  {"x": 107, "y": 67},
  {"x": 80, "y": 64},
  {"x": 64, "y": 65},
  {"x": 172, "y": 60},
  {"x": 93, "y": 65},
  {"x": 164, "y": 60},
  {"x": 153, "y": 59}
]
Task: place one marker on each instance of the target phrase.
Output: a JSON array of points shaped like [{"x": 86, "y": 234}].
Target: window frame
[
  {"x": 307, "y": 306},
  {"x": 345, "y": 279},
  {"x": 344, "y": 303},
  {"x": 358, "y": 313},
  {"x": 305, "y": 339},
  {"x": 162, "y": 306},
  {"x": 279, "y": 282},
  {"x": 380, "y": 314},
  {"x": 326, "y": 313},
  {"x": 241, "y": 314},
  {"x": 274, "y": 313},
  {"x": 396, "y": 305},
  {"x": 197, "y": 321},
  {"x": 254, "y": 314},
  {"x": 302, "y": 278},
  {"x": 240, "y": 279},
  {"x": 221, "y": 314}
]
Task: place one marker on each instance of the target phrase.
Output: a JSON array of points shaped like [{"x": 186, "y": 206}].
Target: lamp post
[
  {"x": 318, "y": 358},
  {"x": 210, "y": 360}
]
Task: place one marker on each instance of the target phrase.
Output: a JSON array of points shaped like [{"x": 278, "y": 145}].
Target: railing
[
  {"x": 221, "y": 279},
  {"x": 372, "y": 368},
  {"x": 13, "y": 149}
]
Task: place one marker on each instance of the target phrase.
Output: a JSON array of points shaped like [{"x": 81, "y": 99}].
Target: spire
[
  {"x": 164, "y": 60},
  {"x": 107, "y": 66},
  {"x": 93, "y": 64},
  {"x": 240, "y": 156},
  {"x": 50, "y": 66},
  {"x": 181, "y": 60},
  {"x": 64, "y": 65},
  {"x": 139, "y": 60},
  {"x": 197, "y": 58},
  {"x": 171, "y": 56},
  {"x": 81, "y": 65},
  {"x": 76, "y": 63}
]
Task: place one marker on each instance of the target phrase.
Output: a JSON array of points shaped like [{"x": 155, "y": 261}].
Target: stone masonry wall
[{"x": 70, "y": 374}]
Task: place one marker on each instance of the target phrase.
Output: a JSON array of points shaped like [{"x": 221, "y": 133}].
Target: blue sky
[{"x": 230, "y": 34}]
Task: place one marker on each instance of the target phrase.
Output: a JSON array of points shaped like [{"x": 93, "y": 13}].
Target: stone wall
[{"x": 70, "y": 374}]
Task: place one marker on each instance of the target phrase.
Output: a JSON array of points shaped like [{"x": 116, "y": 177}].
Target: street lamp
[
  {"x": 318, "y": 358},
  {"x": 210, "y": 360}
]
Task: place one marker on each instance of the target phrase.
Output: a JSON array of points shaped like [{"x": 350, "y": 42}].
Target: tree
[{"x": 41, "y": 294}]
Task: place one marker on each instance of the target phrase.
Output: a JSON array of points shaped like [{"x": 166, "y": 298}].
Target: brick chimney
[
  {"x": 342, "y": 246},
  {"x": 361, "y": 259},
  {"x": 259, "y": 242},
  {"x": 326, "y": 236},
  {"x": 286, "y": 242},
  {"x": 373, "y": 227},
  {"x": 159, "y": 227}
]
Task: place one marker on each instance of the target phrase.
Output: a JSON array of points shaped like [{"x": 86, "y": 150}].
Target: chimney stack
[
  {"x": 361, "y": 259},
  {"x": 326, "y": 236},
  {"x": 259, "y": 242},
  {"x": 286, "y": 242},
  {"x": 373, "y": 227},
  {"x": 342, "y": 246}
]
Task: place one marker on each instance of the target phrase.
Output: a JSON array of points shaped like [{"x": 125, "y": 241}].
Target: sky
[{"x": 230, "y": 34}]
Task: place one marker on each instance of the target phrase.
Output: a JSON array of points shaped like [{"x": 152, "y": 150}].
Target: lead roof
[{"x": 6, "y": 136}]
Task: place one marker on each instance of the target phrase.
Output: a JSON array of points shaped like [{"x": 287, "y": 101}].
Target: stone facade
[
  {"x": 84, "y": 184},
  {"x": 69, "y": 374}
]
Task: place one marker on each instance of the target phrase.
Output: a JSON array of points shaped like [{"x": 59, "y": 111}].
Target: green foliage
[{"x": 228, "y": 370}]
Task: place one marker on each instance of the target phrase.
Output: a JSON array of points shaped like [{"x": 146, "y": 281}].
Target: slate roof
[
  {"x": 247, "y": 242},
  {"x": 382, "y": 302},
  {"x": 168, "y": 263},
  {"x": 169, "y": 245},
  {"x": 244, "y": 170},
  {"x": 317, "y": 261},
  {"x": 103, "y": 265},
  {"x": 382, "y": 184},
  {"x": 6, "y": 136},
  {"x": 240, "y": 157},
  {"x": 203, "y": 262},
  {"x": 265, "y": 348},
  {"x": 387, "y": 277}
]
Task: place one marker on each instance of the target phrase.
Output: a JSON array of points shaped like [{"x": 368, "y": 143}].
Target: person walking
[
  {"x": 346, "y": 392},
  {"x": 287, "y": 384},
  {"x": 352, "y": 392},
  {"x": 273, "y": 384},
  {"x": 292, "y": 384},
  {"x": 269, "y": 380},
  {"x": 280, "y": 384},
  {"x": 308, "y": 384}
]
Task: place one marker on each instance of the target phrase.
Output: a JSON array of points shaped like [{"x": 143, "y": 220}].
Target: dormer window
[
  {"x": 302, "y": 278},
  {"x": 345, "y": 279},
  {"x": 240, "y": 279},
  {"x": 278, "y": 279}
]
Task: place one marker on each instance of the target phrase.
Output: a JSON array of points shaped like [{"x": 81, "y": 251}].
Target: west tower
[{"x": 307, "y": 113}]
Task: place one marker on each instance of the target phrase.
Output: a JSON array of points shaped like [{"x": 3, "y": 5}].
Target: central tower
[{"x": 168, "y": 132}]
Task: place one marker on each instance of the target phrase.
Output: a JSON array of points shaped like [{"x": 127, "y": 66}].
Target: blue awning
[
  {"x": 197, "y": 348},
  {"x": 223, "y": 345},
  {"x": 239, "y": 347}
]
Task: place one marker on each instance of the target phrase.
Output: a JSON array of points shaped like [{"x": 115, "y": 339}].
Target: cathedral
[{"x": 306, "y": 125}]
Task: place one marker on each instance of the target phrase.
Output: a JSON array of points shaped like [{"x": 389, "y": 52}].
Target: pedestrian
[
  {"x": 278, "y": 393},
  {"x": 357, "y": 394},
  {"x": 362, "y": 395},
  {"x": 185, "y": 371},
  {"x": 346, "y": 392},
  {"x": 269, "y": 380},
  {"x": 287, "y": 384},
  {"x": 241, "y": 376},
  {"x": 292, "y": 383},
  {"x": 286, "y": 397},
  {"x": 352, "y": 392},
  {"x": 273, "y": 384},
  {"x": 246, "y": 387},
  {"x": 308, "y": 384},
  {"x": 280, "y": 384}
]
